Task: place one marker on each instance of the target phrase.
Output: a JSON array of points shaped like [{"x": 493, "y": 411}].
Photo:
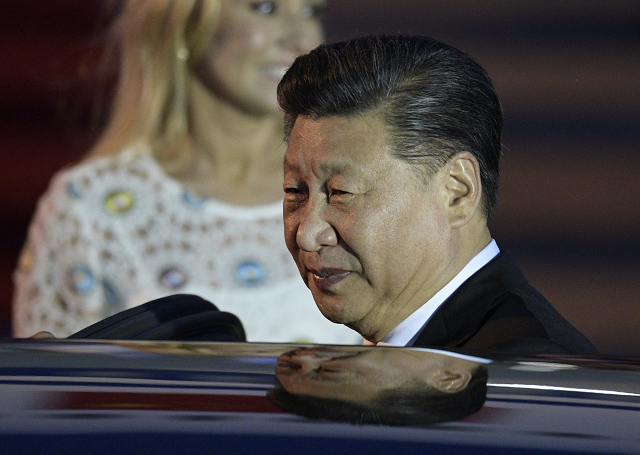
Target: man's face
[
  {"x": 355, "y": 375},
  {"x": 371, "y": 240},
  {"x": 361, "y": 373}
]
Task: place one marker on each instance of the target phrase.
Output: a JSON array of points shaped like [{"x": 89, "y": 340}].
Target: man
[
  {"x": 391, "y": 175},
  {"x": 384, "y": 385}
]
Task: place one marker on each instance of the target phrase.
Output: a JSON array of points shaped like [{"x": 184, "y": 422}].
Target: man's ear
[
  {"x": 464, "y": 188},
  {"x": 450, "y": 381}
]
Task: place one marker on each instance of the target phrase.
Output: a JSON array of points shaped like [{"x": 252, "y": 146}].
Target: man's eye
[
  {"x": 293, "y": 193},
  {"x": 264, "y": 7}
]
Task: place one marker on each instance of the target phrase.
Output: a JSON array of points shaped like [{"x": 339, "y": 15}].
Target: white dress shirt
[{"x": 404, "y": 334}]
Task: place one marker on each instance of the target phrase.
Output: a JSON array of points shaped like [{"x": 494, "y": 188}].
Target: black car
[{"x": 120, "y": 397}]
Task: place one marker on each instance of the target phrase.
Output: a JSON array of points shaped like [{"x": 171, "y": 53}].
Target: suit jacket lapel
[{"x": 462, "y": 314}]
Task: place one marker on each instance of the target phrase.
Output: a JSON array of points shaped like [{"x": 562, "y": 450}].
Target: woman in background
[{"x": 183, "y": 191}]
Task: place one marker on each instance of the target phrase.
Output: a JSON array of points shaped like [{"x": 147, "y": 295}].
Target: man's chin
[
  {"x": 332, "y": 315},
  {"x": 332, "y": 310},
  {"x": 339, "y": 311}
]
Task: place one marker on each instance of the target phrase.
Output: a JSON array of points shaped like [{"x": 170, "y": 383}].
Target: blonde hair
[{"x": 156, "y": 40}]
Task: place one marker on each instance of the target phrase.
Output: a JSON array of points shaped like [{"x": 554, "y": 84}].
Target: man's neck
[{"x": 405, "y": 332}]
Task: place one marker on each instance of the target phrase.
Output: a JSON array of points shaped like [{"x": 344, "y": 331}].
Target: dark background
[{"x": 567, "y": 72}]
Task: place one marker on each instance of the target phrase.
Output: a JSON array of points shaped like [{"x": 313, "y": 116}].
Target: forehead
[{"x": 336, "y": 144}]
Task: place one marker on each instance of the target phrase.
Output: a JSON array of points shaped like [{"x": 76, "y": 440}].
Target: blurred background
[{"x": 568, "y": 75}]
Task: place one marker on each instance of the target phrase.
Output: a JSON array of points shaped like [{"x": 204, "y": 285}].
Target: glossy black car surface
[{"x": 117, "y": 397}]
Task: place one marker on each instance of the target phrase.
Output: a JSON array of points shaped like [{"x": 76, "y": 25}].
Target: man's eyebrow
[{"x": 327, "y": 168}]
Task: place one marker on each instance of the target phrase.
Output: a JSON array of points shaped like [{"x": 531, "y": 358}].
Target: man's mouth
[{"x": 327, "y": 277}]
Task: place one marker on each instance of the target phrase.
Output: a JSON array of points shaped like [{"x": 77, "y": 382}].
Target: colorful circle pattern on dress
[
  {"x": 80, "y": 279},
  {"x": 111, "y": 298},
  {"x": 119, "y": 202},
  {"x": 173, "y": 278},
  {"x": 192, "y": 200},
  {"x": 74, "y": 189},
  {"x": 250, "y": 273}
]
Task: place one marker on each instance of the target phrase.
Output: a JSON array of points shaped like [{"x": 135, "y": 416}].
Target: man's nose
[
  {"x": 308, "y": 364},
  {"x": 300, "y": 35},
  {"x": 314, "y": 231}
]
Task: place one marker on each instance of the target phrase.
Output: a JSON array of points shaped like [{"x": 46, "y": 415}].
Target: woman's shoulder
[
  {"x": 107, "y": 193},
  {"x": 128, "y": 161},
  {"x": 134, "y": 175},
  {"x": 129, "y": 167}
]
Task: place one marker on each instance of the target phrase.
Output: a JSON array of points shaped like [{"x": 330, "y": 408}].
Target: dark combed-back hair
[
  {"x": 436, "y": 100},
  {"x": 415, "y": 404}
]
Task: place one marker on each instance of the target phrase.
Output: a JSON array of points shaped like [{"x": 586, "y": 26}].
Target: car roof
[{"x": 122, "y": 396}]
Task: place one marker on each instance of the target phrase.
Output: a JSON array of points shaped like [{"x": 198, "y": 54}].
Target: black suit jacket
[{"x": 496, "y": 309}]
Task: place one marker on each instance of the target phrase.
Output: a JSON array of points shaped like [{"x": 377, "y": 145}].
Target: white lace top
[{"x": 116, "y": 232}]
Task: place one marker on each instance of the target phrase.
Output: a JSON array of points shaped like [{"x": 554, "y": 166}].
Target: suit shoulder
[{"x": 557, "y": 328}]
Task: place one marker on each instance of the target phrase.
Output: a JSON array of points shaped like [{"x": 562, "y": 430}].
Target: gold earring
[{"x": 182, "y": 53}]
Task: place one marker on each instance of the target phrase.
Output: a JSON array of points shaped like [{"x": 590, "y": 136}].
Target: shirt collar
[{"x": 405, "y": 332}]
